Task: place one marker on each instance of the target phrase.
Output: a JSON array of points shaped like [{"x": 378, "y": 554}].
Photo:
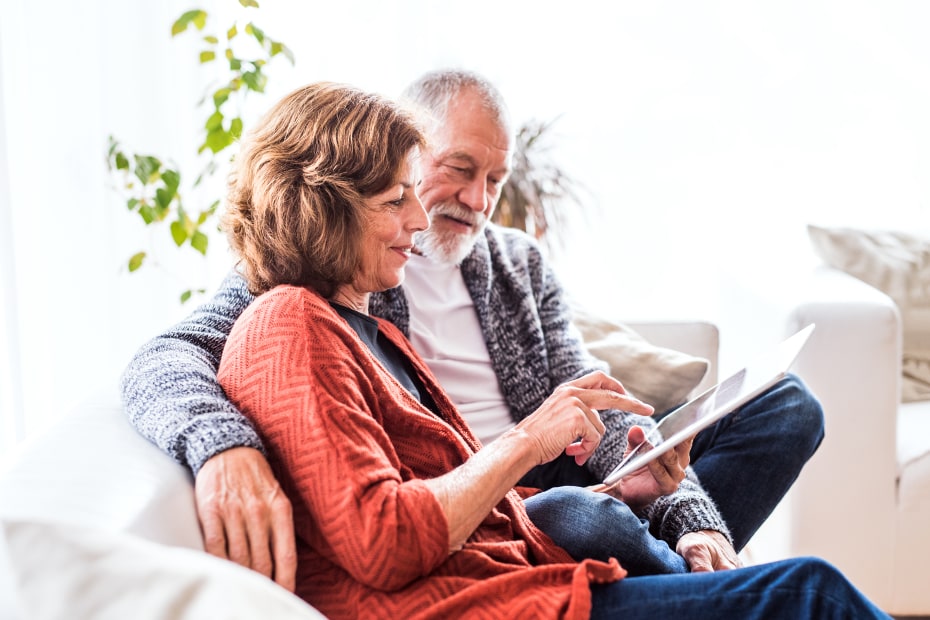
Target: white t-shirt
[{"x": 444, "y": 330}]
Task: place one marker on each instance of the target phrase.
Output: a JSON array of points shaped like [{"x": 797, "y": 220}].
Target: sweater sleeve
[
  {"x": 690, "y": 508},
  {"x": 170, "y": 390},
  {"x": 291, "y": 368}
]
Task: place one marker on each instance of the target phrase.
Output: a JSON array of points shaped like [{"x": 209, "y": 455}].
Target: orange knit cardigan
[{"x": 351, "y": 448}]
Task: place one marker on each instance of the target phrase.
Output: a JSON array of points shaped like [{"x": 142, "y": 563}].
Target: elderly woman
[{"x": 399, "y": 511}]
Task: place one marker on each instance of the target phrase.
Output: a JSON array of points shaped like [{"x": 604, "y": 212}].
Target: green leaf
[
  {"x": 121, "y": 162},
  {"x": 231, "y": 33},
  {"x": 135, "y": 261},
  {"x": 255, "y": 80},
  {"x": 147, "y": 213},
  {"x": 147, "y": 168},
  {"x": 199, "y": 242},
  {"x": 279, "y": 48},
  {"x": 212, "y": 40},
  {"x": 171, "y": 179},
  {"x": 235, "y": 64},
  {"x": 194, "y": 16},
  {"x": 208, "y": 213},
  {"x": 235, "y": 127},
  {"x": 163, "y": 198},
  {"x": 214, "y": 121},
  {"x": 178, "y": 233},
  {"x": 132, "y": 203},
  {"x": 256, "y": 32},
  {"x": 207, "y": 56},
  {"x": 186, "y": 295},
  {"x": 217, "y": 140},
  {"x": 221, "y": 96},
  {"x": 248, "y": 3}
]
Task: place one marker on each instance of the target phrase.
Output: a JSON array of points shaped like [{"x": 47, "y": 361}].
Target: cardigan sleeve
[
  {"x": 290, "y": 366},
  {"x": 170, "y": 390}
]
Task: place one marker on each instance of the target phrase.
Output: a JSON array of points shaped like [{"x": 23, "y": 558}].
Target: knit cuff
[
  {"x": 208, "y": 435},
  {"x": 687, "y": 510}
]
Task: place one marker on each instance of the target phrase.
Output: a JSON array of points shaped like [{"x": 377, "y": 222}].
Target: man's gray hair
[{"x": 434, "y": 90}]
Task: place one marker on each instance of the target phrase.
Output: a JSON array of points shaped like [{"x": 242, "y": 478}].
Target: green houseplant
[
  {"x": 152, "y": 187},
  {"x": 540, "y": 196}
]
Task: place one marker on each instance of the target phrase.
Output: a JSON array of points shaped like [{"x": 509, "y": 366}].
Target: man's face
[{"x": 463, "y": 171}]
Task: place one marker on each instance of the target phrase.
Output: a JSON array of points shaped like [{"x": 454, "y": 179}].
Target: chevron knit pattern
[{"x": 351, "y": 448}]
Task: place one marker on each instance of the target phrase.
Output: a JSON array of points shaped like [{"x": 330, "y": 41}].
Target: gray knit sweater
[{"x": 172, "y": 396}]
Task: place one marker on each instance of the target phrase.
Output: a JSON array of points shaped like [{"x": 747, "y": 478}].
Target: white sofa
[
  {"x": 100, "y": 524},
  {"x": 863, "y": 501}
]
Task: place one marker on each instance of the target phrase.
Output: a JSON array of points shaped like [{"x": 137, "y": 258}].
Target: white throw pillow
[
  {"x": 656, "y": 375},
  {"x": 898, "y": 264},
  {"x": 65, "y": 571}
]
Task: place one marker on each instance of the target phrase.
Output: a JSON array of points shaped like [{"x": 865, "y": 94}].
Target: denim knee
[{"x": 804, "y": 410}]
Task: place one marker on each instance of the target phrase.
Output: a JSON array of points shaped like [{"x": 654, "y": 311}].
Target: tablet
[{"x": 709, "y": 407}]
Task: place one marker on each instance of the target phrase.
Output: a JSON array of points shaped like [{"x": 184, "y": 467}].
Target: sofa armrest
[
  {"x": 91, "y": 468},
  {"x": 845, "y": 496}
]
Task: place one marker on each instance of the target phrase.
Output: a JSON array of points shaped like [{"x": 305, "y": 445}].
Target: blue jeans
[
  {"x": 746, "y": 462},
  {"x": 790, "y": 589}
]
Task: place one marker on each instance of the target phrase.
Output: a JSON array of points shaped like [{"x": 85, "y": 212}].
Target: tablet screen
[{"x": 712, "y": 405}]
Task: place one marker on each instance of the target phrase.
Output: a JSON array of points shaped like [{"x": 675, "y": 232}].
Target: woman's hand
[{"x": 568, "y": 420}]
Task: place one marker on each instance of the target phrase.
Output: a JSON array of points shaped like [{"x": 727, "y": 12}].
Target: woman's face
[{"x": 393, "y": 216}]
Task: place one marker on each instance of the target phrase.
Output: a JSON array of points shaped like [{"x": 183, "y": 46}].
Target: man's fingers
[
  {"x": 283, "y": 545},
  {"x": 214, "y": 535},
  {"x": 258, "y": 539},
  {"x": 237, "y": 542}
]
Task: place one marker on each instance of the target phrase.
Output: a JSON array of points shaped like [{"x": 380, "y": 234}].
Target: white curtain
[
  {"x": 11, "y": 413},
  {"x": 708, "y": 134}
]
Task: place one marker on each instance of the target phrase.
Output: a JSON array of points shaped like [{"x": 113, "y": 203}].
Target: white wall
[{"x": 708, "y": 135}]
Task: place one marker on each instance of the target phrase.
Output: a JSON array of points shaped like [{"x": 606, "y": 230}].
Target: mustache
[{"x": 457, "y": 211}]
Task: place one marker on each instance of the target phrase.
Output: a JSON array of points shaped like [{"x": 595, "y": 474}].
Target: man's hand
[
  {"x": 707, "y": 551},
  {"x": 660, "y": 477},
  {"x": 245, "y": 516}
]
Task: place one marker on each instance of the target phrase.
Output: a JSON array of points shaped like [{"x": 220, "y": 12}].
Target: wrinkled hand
[
  {"x": 568, "y": 420},
  {"x": 660, "y": 477},
  {"x": 245, "y": 516},
  {"x": 707, "y": 551}
]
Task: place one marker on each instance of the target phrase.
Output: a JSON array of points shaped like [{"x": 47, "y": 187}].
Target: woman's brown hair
[{"x": 296, "y": 195}]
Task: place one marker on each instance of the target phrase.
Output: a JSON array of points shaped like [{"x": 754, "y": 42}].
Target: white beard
[{"x": 449, "y": 247}]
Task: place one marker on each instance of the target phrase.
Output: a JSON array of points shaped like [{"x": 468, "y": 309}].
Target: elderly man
[{"x": 487, "y": 314}]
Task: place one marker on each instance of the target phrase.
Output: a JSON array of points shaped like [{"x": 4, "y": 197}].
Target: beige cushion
[
  {"x": 656, "y": 375},
  {"x": 68, "y": 571},
  {"x": 898, "y": 264}
]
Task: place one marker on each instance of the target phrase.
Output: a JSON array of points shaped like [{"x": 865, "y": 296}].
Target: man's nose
[{"x": 475, "y": 195}]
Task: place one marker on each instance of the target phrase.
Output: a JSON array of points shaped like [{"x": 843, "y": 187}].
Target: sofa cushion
[
  {"x": 656, "y": 375},
  {"x": 67, "y": 571},
  {"x": 898, "y": 264}
]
